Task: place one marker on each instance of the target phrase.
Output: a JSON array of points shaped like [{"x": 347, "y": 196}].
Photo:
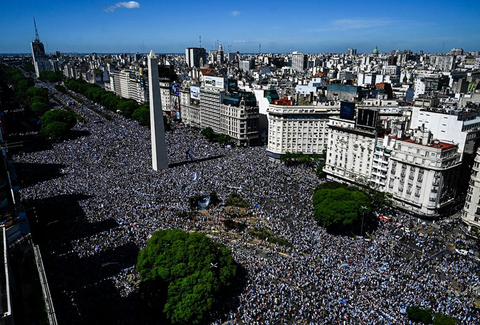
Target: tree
[
  {"x": 54, "y": 130},
  {"x": 223, "y": 138},
  {"x": 234, "y": 199},
  {"x": 337, "y": 206},
  {"x": 419, "y": 314},
  {"x": 58, "y": 115},
  {"x": 208, "y": 133},
  {"x": 24, "y": 84},
  {"x": 442, "y": 319},
  {"x": 381, "y": 200},
  {"x": 39, "y": 108},
  {"x": 184, "y": 274},
  {"x": 128, "y": 107},
  {"x": 142, "y": 115},
  {"x": 51, "y": 76}
]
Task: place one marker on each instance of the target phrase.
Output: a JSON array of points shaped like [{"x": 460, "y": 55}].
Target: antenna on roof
[
  {"x": 200, "y": 39},
  {"x": 259, "y": 48},
  {"x": 36, "y": 31}
]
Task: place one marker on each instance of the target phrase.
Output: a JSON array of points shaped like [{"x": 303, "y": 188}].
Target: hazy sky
[{"x": 310, "y": 26}]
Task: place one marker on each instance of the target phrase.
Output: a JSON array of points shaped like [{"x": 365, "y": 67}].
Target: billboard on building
[
  {"x": 176, "y": 89},
  {"x": 347, "y": 110},
  {"x": 367, "y": 117},
  {"x": 195, "y": 92},
  {"x": 232, "y": 85},
  {"x": 214, "y": 82}
]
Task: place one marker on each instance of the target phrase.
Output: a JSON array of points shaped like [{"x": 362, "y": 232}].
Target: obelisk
[{"x": 157, "y": 129}]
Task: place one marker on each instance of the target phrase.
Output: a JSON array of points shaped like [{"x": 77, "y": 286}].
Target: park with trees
[
  {"x": 184, "y": 275},
  {"x": 342, "y": 208}
]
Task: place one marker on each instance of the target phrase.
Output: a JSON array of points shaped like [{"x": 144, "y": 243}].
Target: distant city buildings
[{"x": 406, "y": 106}]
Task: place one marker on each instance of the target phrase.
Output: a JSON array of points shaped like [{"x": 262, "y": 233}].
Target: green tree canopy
[
  {"x": 58, "y": 115},
  {"x": 208, "y": 133},
  {"x": 37, "y": 92},
  {"x": 127, "y": 107},
  {"x": 419, "y": 314},
  {"x": 54, "y": 130},
  {"x": 51, "y": 76},
  {"x": 24, "y": 84},
  {"x": 223, "y": 138},
  {"x": 39, "y": 108},
  {"x": 337, "y": 206},
  {"x": 142, "y": 115},
  {"x": 183, "y": 274},
  {"x": 441, "y": 319}
]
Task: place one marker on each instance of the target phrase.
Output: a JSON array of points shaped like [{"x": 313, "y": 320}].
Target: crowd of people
[{"x": 115, "y": 201}]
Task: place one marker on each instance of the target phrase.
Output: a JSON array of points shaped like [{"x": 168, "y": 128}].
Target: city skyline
[{"x": 247, "y": 27}]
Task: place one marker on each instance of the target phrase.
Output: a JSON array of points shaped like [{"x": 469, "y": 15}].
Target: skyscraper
[
  {"x": 195, "y": 56},
  {"x": 299, "y": 61},
  {"x": 159, "y": 150},
  {"x": 40, "y": 61}
]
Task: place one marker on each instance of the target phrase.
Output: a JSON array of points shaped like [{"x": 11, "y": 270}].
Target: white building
[
  {"x": 471, "y": 210},
  {"x": 297, "y": 129},
  {"x": 312, "y": 87},
  {"x": 419, "y": 172},
  {"x": 129, "y": 84},
  {"x": 423, "y": 174},
  {"x": 349, "y": 152},
  {"x": 299, "y": 61},
  {"x": 454, "y": 126}
]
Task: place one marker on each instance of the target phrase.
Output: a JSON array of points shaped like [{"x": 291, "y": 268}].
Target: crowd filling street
[{"x": 114, "y": 201}]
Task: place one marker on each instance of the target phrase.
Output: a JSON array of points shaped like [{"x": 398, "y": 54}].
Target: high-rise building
[
  {"x": 130, "y": 84},
  {"x": 159, "y": 150},
  {"x": 299, "y": 61},
  {"x": 40, "y": 61},
  {"x": 196, "y": 57}
]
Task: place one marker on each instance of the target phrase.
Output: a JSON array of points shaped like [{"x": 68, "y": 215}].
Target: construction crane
[{"x": 36, "y": 31}]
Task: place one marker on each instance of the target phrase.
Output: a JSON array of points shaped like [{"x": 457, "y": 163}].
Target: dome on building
[{"x": 375, "y": 50}]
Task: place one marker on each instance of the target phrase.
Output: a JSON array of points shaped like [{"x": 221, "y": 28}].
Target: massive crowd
[{"x": 115, "y": 201}]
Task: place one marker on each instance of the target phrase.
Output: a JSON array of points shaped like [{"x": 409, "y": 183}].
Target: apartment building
[
  {"x": 239, "y": 118},
  {"x": 129, "y": 84},
  {"x": 462, "y": 126},
  {"x": 350, "y": 150},
  {"x": 422, "y": 174},
  {"x": 471, "y": 209}
]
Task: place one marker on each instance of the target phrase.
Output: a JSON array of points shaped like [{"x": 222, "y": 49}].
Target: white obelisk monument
[{"x": 159, "y": 150}]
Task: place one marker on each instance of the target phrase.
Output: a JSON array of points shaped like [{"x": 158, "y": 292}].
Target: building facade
[
  {"x": 350, "y": 150},
  {"x": 299, "y": 61},
  {"x": 196, "y": 57},
  {"x": 129, "y": 84},
  {"x": 239, "y": 118},
  {"x": 471, "y": 209},
  {"x": 297, "y": 129},
  {"x": 423, "y": 173}
]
